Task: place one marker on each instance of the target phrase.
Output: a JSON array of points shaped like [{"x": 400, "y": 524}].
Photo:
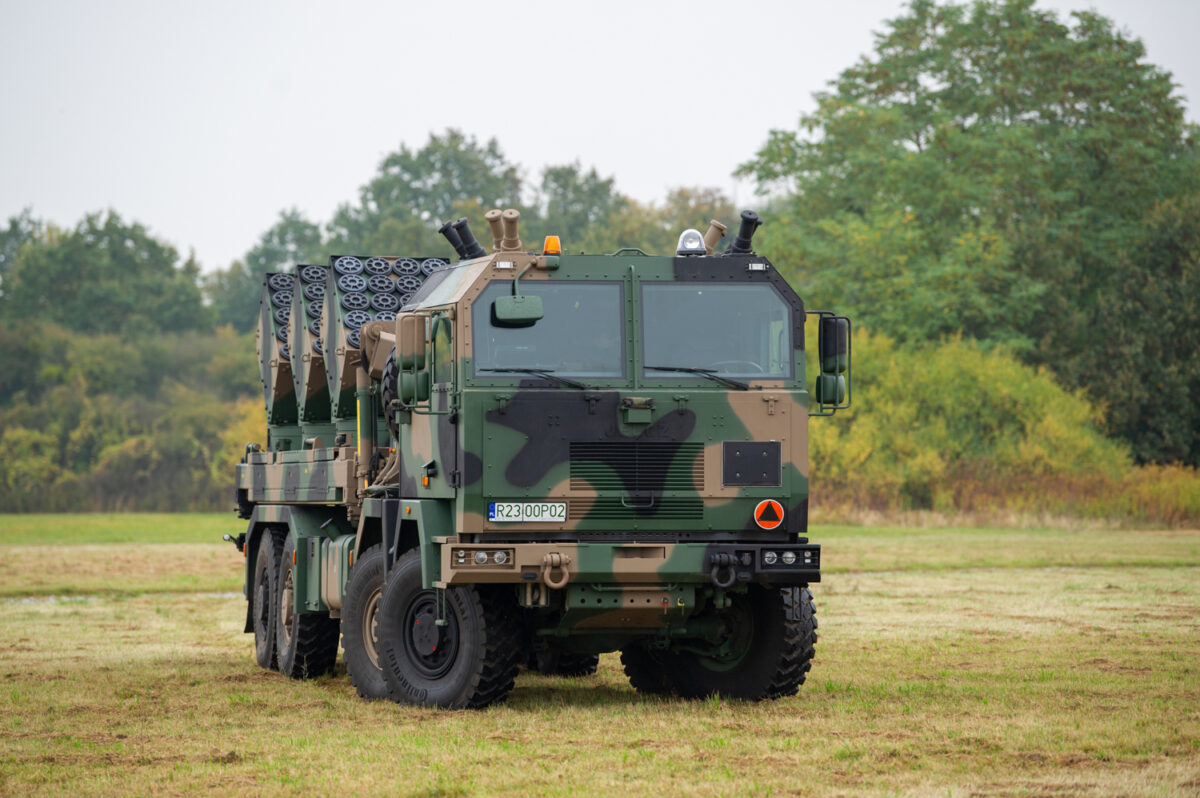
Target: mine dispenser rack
[
  {"x": 275, "y": 360},
  {"x": 308, "y": 361},
  {"x": 359, "y": 290}
]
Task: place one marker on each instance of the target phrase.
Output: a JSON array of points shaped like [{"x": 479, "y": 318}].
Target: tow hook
[
  {"x": 553, "y": 562},
  {"x": 722, "y": 562}
]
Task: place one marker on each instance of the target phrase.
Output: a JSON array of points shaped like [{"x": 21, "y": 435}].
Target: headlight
[{"x": 770, "y": 557}]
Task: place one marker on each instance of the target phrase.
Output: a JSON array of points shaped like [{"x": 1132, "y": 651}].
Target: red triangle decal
[{"x": 768, "y": 513}]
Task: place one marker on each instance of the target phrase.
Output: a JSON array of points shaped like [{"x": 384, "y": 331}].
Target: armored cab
[{"x": 540, "y": 458}]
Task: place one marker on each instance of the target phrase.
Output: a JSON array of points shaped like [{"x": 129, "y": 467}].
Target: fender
[{"x": 417, "y": 523}]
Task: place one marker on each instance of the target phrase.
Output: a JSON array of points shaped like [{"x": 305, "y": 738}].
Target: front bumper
[{"x": 556, "y": 564}]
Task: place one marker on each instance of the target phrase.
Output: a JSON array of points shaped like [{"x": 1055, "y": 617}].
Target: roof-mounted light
[
  {"x": 552, "y": 246},
  {"x": 691, "y": 243}
]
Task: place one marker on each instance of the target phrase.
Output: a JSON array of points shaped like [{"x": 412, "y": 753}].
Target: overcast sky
[{"x": 203, "y": 120}]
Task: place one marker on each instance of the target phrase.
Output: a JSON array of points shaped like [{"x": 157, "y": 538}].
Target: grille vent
[
  {"x": 637, "y": 466},
  {"x": 658, "y": 508}
]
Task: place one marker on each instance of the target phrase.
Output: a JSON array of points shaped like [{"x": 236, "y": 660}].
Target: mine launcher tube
[
  {"x": 448, "y": 230},
  {"x": 459, "y": 234},
  {"x": 470, "y": 245},
  {"x": 743, "y": 244}
]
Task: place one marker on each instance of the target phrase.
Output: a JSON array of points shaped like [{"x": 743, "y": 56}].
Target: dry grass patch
[
  {"x": 993, "y": 681},
  {"x": 113, "y": 568}
]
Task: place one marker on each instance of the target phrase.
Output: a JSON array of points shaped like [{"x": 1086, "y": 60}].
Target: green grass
[
  {"x": 955, "y": 662},
  {"x": 69, "y": 529}
]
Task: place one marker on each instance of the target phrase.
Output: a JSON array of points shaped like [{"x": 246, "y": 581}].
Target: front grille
[
  {"x": 637, "y": 467},
  {"x": 608, "y": 508}
]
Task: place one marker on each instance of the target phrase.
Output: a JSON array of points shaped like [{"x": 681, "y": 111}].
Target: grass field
[{"x": 951, "y": 662}]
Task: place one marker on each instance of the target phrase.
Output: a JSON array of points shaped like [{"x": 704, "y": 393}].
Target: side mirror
[
  {"x": 410, "y": 341},
  {"x": 517, "y": 311},
  {"x": 413, "y": 387},
  {"x": 833, "y": 341},
  {"x": 831, "y": 389}
]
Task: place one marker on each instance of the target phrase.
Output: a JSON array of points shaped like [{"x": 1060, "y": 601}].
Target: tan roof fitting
[{"x": 504, "y": 224}]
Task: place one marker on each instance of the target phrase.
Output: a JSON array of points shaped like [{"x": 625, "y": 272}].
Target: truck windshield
[
  {"x": 722, "y": 329},
  {"x": 582, "y": 333}
]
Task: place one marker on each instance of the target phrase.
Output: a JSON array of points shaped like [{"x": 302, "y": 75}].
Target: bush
[
  {"x": 928, "y": 417},
  {"x": 957, "y": 428}
]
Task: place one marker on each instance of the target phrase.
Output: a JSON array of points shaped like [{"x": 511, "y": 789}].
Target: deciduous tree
[{"x": 991, "y": 170}]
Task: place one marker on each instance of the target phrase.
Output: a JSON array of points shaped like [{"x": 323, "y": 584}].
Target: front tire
[
  {"x": 307, "y": 642},
  {"x": 360, "y": 625},
  {"x": 470, "y": 662},
  {"x": 772, "y": 636}
]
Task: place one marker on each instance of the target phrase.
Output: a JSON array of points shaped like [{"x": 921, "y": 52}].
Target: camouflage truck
[{"x": 525, "y": 458}]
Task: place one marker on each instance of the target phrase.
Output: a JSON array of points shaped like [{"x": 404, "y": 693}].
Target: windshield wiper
[
  {"x": 545, "y": 373},
  {"x": 708, "y": 373}
]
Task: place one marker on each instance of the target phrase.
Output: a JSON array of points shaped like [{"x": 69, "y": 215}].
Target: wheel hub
[
  {"x": 264, "y": 604},
  {"x": 430, "y": 648},
  {"x": 425, "y": 632},
  {"x": 287, "y": 600},
  {"x": 371, "y": 628},
  {"x": 738, "y": 626}
]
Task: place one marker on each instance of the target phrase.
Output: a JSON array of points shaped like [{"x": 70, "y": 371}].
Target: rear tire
[
  {"x": 565, "y": 663},
  {"x": 360, "y": 625},
  {"x": 648, "y": 669},
  {"x": 262, "y": 599},
  {"x": 307, "y": 642},
  {"x": 470, "y": 662}
]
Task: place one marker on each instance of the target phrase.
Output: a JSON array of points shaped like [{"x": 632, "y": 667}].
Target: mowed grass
[
  {"x": 132, "y": 553},
  {"x": 71, "y": 529},
  {"x": 1038, "y": 665},
  {"x": 119, "y": 554}
]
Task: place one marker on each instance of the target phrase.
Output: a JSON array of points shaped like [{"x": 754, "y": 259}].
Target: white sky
[{"x": 202, "y": 120}]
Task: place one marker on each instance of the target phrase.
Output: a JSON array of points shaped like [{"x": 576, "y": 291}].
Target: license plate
[{"x": 527, "y": 512}]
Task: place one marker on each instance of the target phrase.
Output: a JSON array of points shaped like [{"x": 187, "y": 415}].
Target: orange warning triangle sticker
[{"x": 768, "y": 514}]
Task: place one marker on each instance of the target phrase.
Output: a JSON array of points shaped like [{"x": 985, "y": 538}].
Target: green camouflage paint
[{"x": 661, "y": 526}]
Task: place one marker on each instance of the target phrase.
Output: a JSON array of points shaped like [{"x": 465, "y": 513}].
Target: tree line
[{"x": 990, "y": 176}]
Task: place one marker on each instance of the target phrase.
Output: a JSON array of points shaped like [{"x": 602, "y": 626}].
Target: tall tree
[
  {"x": 291, "y": 240},
  {"x": 105, "y": 276},
  {"x": 234, "y": 292},
  {"x": 572, "y": 201},
  {"x": 421, "y": 189},
  {"x": 21, "y": 229},
  {"x": 1014, "y": 159}
]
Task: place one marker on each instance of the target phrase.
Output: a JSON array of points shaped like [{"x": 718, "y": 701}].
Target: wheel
[
  {"x": 767, "y": 651},
  {"x": 564, "y": 663},
  {"x": 266, "y": 573},
  {"x": 360, "y": 625},
  {"x": 388, "y": 392},
  {"x": 307, "y": 642},
  {"x": 649, "y": 670},
  {"x": 470, "y": 662}
]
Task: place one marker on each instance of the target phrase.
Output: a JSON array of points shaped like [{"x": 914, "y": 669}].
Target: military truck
[{"x": 526, "y": 458}]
